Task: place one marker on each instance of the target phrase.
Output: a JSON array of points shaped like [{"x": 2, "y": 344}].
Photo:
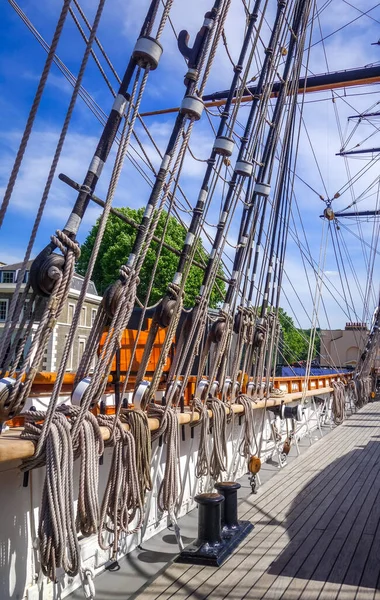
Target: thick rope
[
  {"x": 139, "y": 425},
  {"x": 58, "y": 542},
  {"x": 218, "y": 457},
  {"x": 122, "y": 501},
  {"x": 249, "y": 436},
  {"x": 338, "y": 403},
  {"x": 169, "y": 488},
  {"x": 202, "y": 467}
]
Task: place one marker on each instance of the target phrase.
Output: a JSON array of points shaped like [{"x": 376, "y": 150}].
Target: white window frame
[
  {"x": 68, "y": 313},
  {"x": 94, "y": 312},
  {"x": 69, "y": 365},
  {"x": 83, "y": 310},
  {"x": 6, "y": 309},
  {"x": 81, "y": 340}
]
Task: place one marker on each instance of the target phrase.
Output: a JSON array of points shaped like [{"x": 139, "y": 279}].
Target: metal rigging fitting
[
  {"x": 244, "y": 168},
  {"x": 329, "y": 213},
  {"x": 224, "y": 145},
  {"x": 191, "y": 55},
  {"x": 192, "y": 107},
  {"x": 262, "y": 189},
  {"x": 147, "y": 52}
]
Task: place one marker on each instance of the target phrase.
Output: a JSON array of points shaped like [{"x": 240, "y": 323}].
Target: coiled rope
[
  {"x": 122, "y": 501},
  {"x": 338, "y": 403},
  {"x": 249, "y": 427},
  {"x": 169, "y": 488},
  {"x": 202, "y": 467},
  {"x": 57, "y": 522},
  {"x": 218, "y": 457}
]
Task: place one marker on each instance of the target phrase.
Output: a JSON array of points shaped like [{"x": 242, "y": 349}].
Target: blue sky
[{"x": 21, "y": 61}]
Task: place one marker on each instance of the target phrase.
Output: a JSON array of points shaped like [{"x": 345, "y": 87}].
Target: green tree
[
  {"x": 117, "y": 244},
  {"x": 295, "y": 345}
]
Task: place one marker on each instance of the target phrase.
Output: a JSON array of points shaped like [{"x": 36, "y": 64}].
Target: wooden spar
[
  {"x": 315, "y": 83},
  {"x": 13, "y": 449},
  {"x": 360, "y": 151}
]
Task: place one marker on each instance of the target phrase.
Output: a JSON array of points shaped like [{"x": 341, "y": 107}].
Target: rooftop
[{"x": 76, "y": 283}]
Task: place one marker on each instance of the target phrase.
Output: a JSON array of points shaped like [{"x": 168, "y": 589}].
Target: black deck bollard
[
  {"x": 230, "y": 522},
  {"x": 208, "y": 546},
  {"x": 209, "y": 519},
  {"x": 214, "y": 544},
  {"x": 233, "y": 530}
]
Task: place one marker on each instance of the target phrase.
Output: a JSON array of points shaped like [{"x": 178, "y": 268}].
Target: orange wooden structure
[{"x": 128, "y": 341}]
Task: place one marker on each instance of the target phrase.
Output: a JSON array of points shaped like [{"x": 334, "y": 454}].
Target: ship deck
[{"x": 316, "y": 529}]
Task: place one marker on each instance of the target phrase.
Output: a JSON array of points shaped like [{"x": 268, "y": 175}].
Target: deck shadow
[{"x": 335, "y": 537}]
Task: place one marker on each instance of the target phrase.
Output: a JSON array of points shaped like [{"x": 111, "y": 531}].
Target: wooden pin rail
[{"x": 13, "y": 449}]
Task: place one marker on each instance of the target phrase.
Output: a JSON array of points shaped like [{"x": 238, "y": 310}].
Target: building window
[
  {"x": 83, "y": 316},
  {"x": 70, "y": 313},
  {"x": 26, "y": 277},
  {"x": 93, "y": 315},
  {"x": 8, "y": 276},
  {"x": 69, "y": 364},
  {"x": 3, "y": 309},
  {"x": 81, "y": 347}
]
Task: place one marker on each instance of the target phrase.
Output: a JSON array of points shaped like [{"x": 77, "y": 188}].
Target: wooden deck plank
[
  {"x": 311, "y": 563},
  {"x": 334, "y": 536},
  {"x": 256, "y": 537},
  {"x": 294, "y": 553},
  {"x": 212, "y": 581},
  {"x": 265, "y": 535},
  {"x": 314, "y": 533},
  {"x": 196, "y": 569},
  {"x": 370, "y": 576}
]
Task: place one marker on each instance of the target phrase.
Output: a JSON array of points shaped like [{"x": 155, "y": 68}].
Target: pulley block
[
  {"x": 112, "y": 297},
  {"x": 254, "y": 464},
  {"x": 141, "y": 393},
  {"x": 45, "y": 271},
  {"x": 201, "y": 389},
  {"x": 165, "y": 310},
  {"x": 6, "y": 412},
  {"x": 287, "y": 446},
  {"x": 217, "y": 330},
  {"x": 79, "y": 391}
]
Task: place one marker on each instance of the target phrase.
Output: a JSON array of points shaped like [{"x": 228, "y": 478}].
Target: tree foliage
[
  {"x": 117, "y": 244},
  {"x": 295, "y": 342}
]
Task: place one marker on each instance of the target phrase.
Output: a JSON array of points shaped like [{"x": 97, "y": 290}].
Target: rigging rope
[{"x": 33, "y": 110}]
